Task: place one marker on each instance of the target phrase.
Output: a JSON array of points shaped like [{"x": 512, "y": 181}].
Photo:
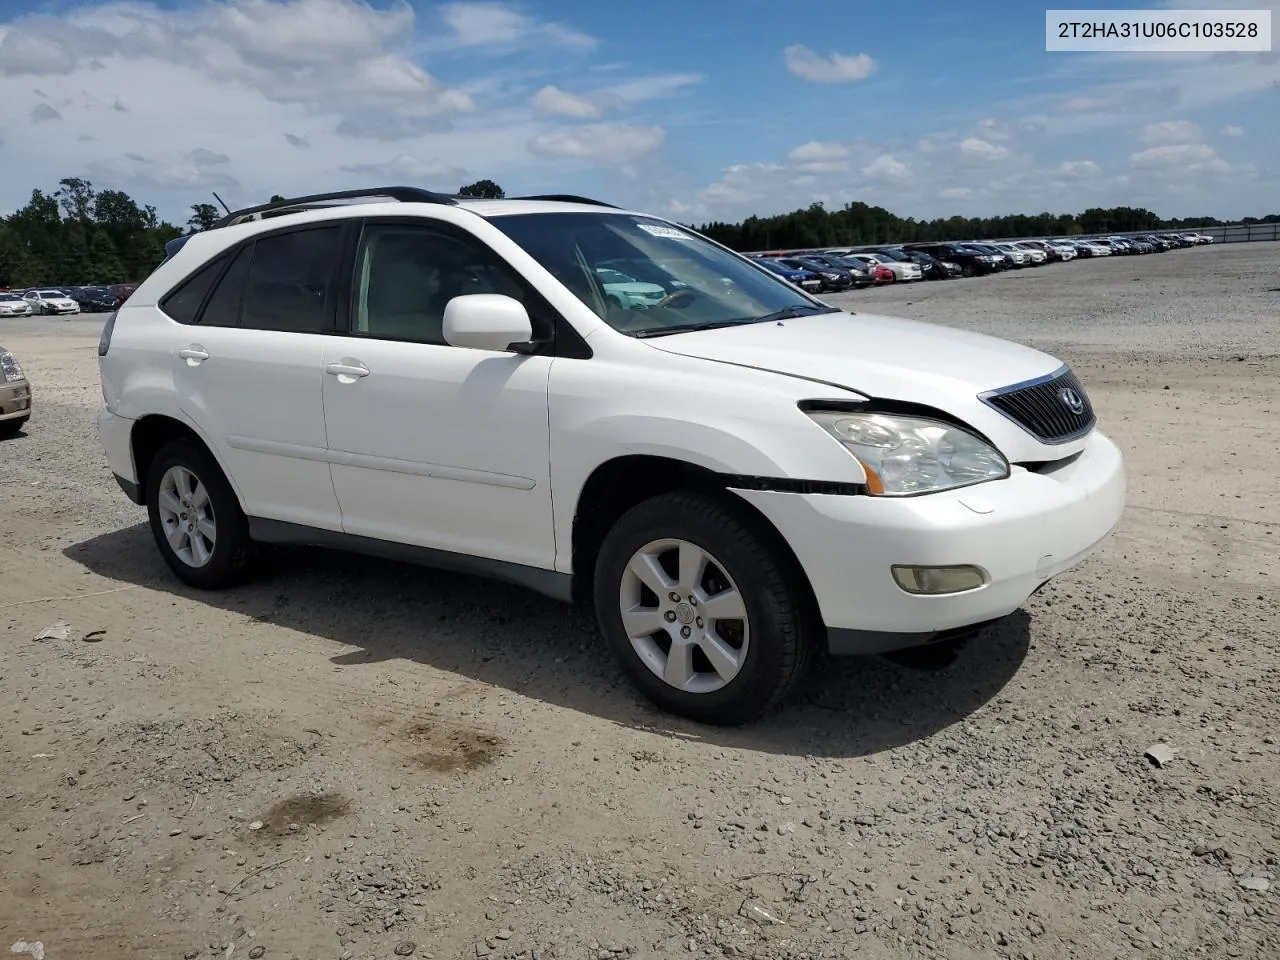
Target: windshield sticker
[{"x": 661, "y": 230}]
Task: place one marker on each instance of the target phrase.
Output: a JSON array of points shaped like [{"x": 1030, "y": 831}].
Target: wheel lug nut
[
  {"x": 670, "y": 616},
  {"x": 698, "y": 621},
  {"x": 693, "y": 601},
  {"x": 685, "y": 632},
  {"x": 673, "y": 597}
]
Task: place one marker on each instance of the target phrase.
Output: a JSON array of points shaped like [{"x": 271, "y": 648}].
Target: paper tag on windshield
[{"x": 661, "y": 230}]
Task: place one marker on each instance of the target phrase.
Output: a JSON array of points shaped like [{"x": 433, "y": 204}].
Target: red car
[
  {"x": 122, "y": 292},
  {"x": 882, "y": 275}
]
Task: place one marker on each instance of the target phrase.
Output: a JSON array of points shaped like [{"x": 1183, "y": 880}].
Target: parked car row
[
  {"x": 837, "y": 270},
  {"x": 63, "y": 299}
]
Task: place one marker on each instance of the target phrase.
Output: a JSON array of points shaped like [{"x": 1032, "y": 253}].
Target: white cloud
[
  {"x": 1232, "y": 131},
  {"x": 828, "y": 68},
  {"x": 551, "y": 100},
  {"x": 815, "y": 151},
  {"x": 406, "y": 167},
  {"x": 656, "y": 87},
  {"x": 983, "y": 149},
  {"x": 497, "y": 24},
  {"x": 555, "y": 102},
  {"x": 885, "y": 167},
  {"x": 608, "y": 142},
  {"x": 992, "y": 129},
  {"x": 956, "y": 193},
  {"x": 1079, "y": 168},
  {"x": 1171, "y": 131},
  {"x": 255, "y": 97},
  {"x": 1178, "y": 157}
]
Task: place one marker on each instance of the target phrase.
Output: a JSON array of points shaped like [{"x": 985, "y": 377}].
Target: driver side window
[{"x": 406, "y": 275}]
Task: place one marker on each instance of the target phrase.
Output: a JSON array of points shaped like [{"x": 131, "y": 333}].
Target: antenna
[{"x": 220, "y": 200}]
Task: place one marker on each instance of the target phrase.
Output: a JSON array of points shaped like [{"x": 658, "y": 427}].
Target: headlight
[
  {"x": 908, "y": 455},
  {"x": 10, "y": 367}
]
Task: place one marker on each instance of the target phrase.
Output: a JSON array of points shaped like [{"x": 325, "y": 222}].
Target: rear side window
[
  {"x": 290, "y": 276},
  {"x": 183, "y": 304},
  {"x": 223, "y": 308}
]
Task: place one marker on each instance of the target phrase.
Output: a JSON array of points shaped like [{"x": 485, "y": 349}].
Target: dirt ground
[{"x": 357, "y": 759}]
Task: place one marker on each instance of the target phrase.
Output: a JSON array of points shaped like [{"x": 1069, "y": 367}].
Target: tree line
[
  {"x": 80, "y": 235},
  {"x": 858, "y": 224}
]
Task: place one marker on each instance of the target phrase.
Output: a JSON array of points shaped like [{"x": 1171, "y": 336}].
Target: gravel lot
[{"x": 356, "y": 759}]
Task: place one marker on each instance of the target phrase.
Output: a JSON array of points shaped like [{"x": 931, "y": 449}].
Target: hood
[{"x": 891, "y": 359}]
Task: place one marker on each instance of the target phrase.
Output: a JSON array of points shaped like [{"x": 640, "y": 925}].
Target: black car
[
  {"x": 94, "y": 299},
  {"x": 834, "y": 279},
  {"x": 932, "y": 268},
  {"x": 861, "y": 275},
  {"x": 972, "y": 262}
]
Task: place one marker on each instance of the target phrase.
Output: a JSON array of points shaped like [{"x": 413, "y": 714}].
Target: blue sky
[{"x": 698, "y": 110}]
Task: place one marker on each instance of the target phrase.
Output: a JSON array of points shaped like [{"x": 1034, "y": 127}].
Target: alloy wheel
[
  {"x": 684, "y": 615},
  {"x": 186, "y": 514}
]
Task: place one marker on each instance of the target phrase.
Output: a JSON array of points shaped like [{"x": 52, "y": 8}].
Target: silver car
[
  {"x": 15, "y": 395},
  {"x": 12, "y": 305}
]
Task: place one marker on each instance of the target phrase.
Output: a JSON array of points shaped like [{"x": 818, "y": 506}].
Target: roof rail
[
  {"x": 297, "y": 204},
  {"x": 570, "y": 198}
]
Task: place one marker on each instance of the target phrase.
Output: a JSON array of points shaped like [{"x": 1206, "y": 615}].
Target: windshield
[
  {"x": 52, "y": 293},
  {"x": 695, "y": 284}
]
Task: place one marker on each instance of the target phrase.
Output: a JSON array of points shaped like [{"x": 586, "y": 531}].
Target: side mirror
[{"x": 486, "y": 321}]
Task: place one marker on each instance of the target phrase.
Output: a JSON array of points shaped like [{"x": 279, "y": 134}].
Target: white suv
[{"x": 737, "y": 474}]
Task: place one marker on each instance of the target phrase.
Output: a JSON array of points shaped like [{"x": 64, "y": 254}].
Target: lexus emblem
[{"x": 1071, "y": 400}]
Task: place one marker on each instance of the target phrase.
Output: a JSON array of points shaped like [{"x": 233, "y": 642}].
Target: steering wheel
[{"x": 679, "y": 299}]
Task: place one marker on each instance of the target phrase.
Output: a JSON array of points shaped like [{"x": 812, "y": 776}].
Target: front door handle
[
  {"x": 193, "y": 354},
  {"x": 347, "y": 370}
]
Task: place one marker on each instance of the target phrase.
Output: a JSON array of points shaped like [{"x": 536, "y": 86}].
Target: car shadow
[{"x": 520, "y": 641}]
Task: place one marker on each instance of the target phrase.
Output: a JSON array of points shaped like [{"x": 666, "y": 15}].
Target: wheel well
[
  {"x": 148, "y": 437},
  {"x": 617, "y": 485}
]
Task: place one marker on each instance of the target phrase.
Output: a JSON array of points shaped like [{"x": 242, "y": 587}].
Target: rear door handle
[
  {"x": 193, "y": 354},
  {"x": 347, "y": 370}
]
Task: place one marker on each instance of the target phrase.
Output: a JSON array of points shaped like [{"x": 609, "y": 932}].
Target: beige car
[{"x": 15, "y": 395}]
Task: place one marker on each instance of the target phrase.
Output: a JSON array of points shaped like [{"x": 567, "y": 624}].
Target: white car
[
  {"x": 1097, "y": 249},
  {"x": 1036, "y": 255},
  {"x": 50, "y": 302},
  {"x": 626, "y": 292},
  {"x": 1020, "y": 257},
  {"x": 903, "y": 270},
  {"x": 12, "y": 305},
  {"x": 1065, "y": 251},
  {"x": 739, "y": 479}
]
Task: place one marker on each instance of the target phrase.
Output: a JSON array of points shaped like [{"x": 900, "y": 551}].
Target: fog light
[{"x": 937, "y": 580}]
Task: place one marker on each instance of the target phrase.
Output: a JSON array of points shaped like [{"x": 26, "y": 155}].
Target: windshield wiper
[
  {"x": 787, "y": 313},
  {"x": 791, "y": 313}
]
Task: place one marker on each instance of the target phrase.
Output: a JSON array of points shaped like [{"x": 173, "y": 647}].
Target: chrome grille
[{"x": 1039, "y": 407}]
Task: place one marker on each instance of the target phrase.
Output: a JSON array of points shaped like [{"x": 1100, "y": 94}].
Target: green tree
[
  {"x": 77, "y": 198},
  {"x": 105, "y": 265},
  {"x": 203, "y": 217},
  {"x": 482, "y": 190}
]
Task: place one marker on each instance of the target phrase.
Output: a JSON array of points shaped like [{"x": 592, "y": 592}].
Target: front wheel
[
  {"x": 705, "y": 613},
  {"x": 196, "y": 519}
]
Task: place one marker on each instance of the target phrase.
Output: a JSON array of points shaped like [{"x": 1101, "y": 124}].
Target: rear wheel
[
  {"x": 704, "y": 613},
  {"x": 196, "y": 519},
  {"x": 967, "y": 270}
]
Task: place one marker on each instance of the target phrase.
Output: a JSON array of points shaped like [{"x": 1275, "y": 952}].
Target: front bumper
[
  {"x": 15, "y": 400},
  {"x": 1021, "y": 531}
]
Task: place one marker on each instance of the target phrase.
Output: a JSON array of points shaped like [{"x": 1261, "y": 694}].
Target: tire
[
  {"x": 769, "y": 650},
  {"x": 967, "y": 270},
  {"x": 209, "y": 563},
  {"x": 11, "y": 428}
]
